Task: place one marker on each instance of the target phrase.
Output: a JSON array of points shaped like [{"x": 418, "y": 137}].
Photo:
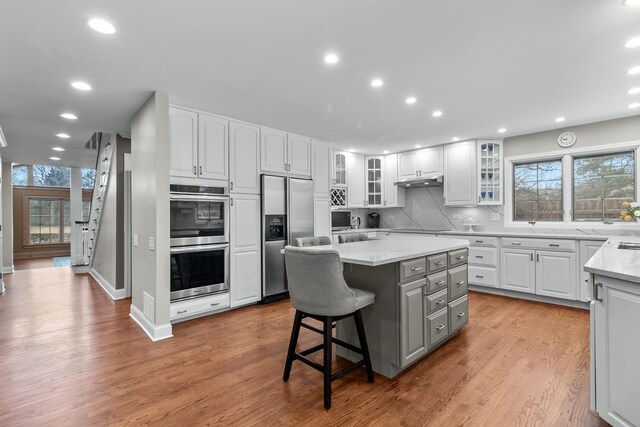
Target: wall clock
[{"x": 567, "y": 139}]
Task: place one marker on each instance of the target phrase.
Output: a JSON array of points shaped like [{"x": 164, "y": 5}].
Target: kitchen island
[{"x": 420, "y": 284}]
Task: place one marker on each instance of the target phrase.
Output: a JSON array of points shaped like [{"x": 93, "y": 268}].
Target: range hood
[{"x": 422, "y": 181}]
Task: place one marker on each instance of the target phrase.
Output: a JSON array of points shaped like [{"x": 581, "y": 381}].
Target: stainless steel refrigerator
[{"x": 287, "y": 213}]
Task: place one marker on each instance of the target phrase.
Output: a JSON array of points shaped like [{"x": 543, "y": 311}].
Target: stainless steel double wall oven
[{"x": 199, "y": 240}]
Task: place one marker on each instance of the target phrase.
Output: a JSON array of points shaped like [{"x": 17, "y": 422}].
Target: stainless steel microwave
[{"x": 340, "y": 220}]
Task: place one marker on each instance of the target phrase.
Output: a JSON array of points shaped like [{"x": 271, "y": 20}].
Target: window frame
[
  {"x": 26, "y": 221},
  {"x": 567, "y": 156},
  {"x": 562, "y": 195}
]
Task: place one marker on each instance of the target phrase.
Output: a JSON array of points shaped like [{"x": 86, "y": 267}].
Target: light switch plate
[
  {"x": 495, "y": 217},
  {"x": 135, "y": 240},
  {"x": 152, "y": 244},
  {"x": 455, "y": 216}
]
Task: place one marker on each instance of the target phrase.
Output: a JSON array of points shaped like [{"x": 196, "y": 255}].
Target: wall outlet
[
  {"x": 456, "y": 216},
  {"x": 495, "y": 217},
  {"x": 135, "y": 240},
  {"x": 152, "y": 244}
]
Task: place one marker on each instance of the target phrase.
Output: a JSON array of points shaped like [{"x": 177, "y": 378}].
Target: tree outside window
[
  {"x": 51, "y": 176},
  {"x": 538, "y": 191}
]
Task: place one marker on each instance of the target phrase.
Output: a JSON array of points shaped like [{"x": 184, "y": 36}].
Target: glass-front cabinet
[
  {"x": 374, "y": 182},
  {"x": 490, "y": 174},
  {"x": 339, "y": 169}
]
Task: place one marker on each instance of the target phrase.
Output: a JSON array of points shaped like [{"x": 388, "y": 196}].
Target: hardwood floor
[
  {"x": 31, "y": 263},
  {"x": 69, "y": 355}
]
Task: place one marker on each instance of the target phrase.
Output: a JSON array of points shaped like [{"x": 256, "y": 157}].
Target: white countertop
[
  {"x": 394, "y": 248},
  {"x": 623, "y": 264},
  {"x": 359, "y": 230},
  {"x": 570, "y": 236}
]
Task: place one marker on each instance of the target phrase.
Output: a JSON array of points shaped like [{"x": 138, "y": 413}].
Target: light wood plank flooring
[{"x": 69, "y": 355}]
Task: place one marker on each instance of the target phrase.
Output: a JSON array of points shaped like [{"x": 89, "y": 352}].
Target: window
[
  {"x": 88, "y": 178},
  {"x": 601, "y": 184},
  {"x": 51, "y": 176},
  {"x": 537, "y": 194},
  {"x": 48, "y": 224},
  {"x": 20, "y": 175}
]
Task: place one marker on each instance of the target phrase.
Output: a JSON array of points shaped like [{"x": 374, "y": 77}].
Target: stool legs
[
  {"x": 295, "y": 331},
  {"x": 328, "y": 335},
  {"x": 363, "y": 345}
]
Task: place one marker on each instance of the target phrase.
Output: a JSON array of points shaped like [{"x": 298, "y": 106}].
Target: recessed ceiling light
[
  {"x": 331, "y": 58},
  {"x": 502, "y": 130},
  {"x": 631, "y": 3},
  {"x": 54, "y": 158},
  {"x": 634, "y": 105},
  {"x": 101, "y": 26},
  {"x": 410, "y": 100},
  {"x": 634, "y": 42},
  {"x": 634, "y": 90},
  {"x": 418, "y": 146},
  {"x": 68, "y": 116},
  {"x": 437, "y": 113},
  {"x": 560, "y": 119},
  {"x": 385, "y": 152},
  {"x": 58, "y": 149},
  {"x": 376, "y": 82},
  {"x": 455, "y": 139},
  {"x": 81, "y": 86},
  {"x": 63, "y": 135},
  {"x": 634, "y": 70}
]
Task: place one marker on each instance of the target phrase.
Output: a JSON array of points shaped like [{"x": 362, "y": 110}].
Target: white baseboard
[
  {"x": 8, "y": 270},
  {"x": 156, "y": 333},
  {"x": 80, "y": 269},
  {"x": 529, "y": 297},
  {"x": 113, "y": 292},
  {"x": 1, "y": 286}
]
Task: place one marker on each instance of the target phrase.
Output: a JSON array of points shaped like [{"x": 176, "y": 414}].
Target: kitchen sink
[{"x": 629, "y": 245}]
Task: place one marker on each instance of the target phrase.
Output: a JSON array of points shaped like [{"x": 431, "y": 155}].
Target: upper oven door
[{"x": 197, "y": 220}]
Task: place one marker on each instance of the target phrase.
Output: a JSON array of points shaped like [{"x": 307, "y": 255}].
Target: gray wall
[{"x": 150, "y": 205}]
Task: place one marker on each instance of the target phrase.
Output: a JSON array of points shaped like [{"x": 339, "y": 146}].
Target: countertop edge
[
  {"x": 598, "y": 237},
  {"x": 403, "y": 257}
]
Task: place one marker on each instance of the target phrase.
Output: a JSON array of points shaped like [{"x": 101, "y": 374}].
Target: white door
[
  {"x": 273, "y": 150},
  {"x": 408, "y": 166},
  {"x": 183, "y": 126},
  {"x": 617, "y": 346},
  {"x": 393, "y": 195},
  {"x": 244, "y": 158},
  {"x": 430, "y": 164},
  {"x": 460, "y": 174},
  {"x": 213, "y": 147},
  {"x": 587, "y": 250},
  {"x": 299, "y": 155},
  {"x": 245, "y": 278},
  {"x": 321, "y": 169},
  {"x": 355, "y": 179},
  {"x": 556, "y": 274},
  {"x": 339, "y": 169},
  {"x": 322, "y": 217},
  {"x": 373, "y": 181},
  {"x": 518, "y": 270}
]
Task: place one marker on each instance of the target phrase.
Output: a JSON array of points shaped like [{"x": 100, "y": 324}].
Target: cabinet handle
[
  {"x": 595, "y": 291},
  {"x": 460, "y": 282},
  {"x": 416, "y": 268},
  {"x": 538, "y": 257},
  {"x": 195, "y": 172},
  {"x": 516, "y": 243},
  {"x": 461, "y": 314},
  {"x": 439, "y": 263},
  {"x": 479, "y": 276},
  {"x": 231, "y": 201},
  {"x": 213, "y": 304},
  {"x": 182, "y": 311},
  {"x": 420, "y": 173},
  {"x": 440, "y": 282},
  {"x": 440, "y": 301},
  {"x": 554, "y": 245},
  {"x": 532, "y": 256},
  {"x": 460, "y": 257},
  {"x": 200, "y": 170},
  {"x": 231, "y": 185},
  {"x": 479, "y": 256},
  {"x": 479, "y": 241},
  {"x": 416, "y": 173},
  {"x": 440, "y": 327}
]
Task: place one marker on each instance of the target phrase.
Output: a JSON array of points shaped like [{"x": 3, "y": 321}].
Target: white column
[
  {"x": 7, "y": 218},
  {"x": 75, "y": 204}
]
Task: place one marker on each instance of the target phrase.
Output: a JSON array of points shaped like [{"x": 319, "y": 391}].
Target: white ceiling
[{"x": 486, "y": 64}]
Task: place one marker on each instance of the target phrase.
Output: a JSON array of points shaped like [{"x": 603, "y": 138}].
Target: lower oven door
[{"x": 199, "y": 270}]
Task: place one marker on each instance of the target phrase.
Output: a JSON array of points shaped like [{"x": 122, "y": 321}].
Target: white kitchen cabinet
[
  {"x": 298, "y": 155},
  {"x": 245, "y": 244},
  {"x": 183, "y": 126},
  {"x": 244, "y": 158},
  {"x": 394, "y": 196},
  {"x": 615, "y": 345},
  {"x": 355, "y": 178},
  {"x": 490, "y": 175},
  {"x": 556, "y": 274},
  {"x": 321, "y": 169},
  {"x": 339, "y": 169},
  {"x": 322, "y": 217},
  {"x": 518, "y": 270},
  {"x": 273, "y": 150},
  {"x": 373, "y": 181},
  {"x": 213, "y": 147},
  {"x": 460, "y": 166},
  {"x": 420, "y": 163},
  {"x": 587, "y": 249}
]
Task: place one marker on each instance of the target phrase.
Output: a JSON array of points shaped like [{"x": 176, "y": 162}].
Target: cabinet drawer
[
  {"x": 457, "y": 282},
  {"x": 436, "y": 301},
  {"x": 436, "y": 263},
  {"x": 483, "y": 256},
  {"x": 438, "y": 281},
  {"x": 193, "y": 306},
  {"x": 438, "y": 324},
  {"x": 457, "y": 257},
  {"x": 484, "y": 276},
  {"x": 557, "y": 244},
  {"x": 412, "y": 269},
  {"x": 483, "y": 241},
  {"x": 458, "y": 313}
]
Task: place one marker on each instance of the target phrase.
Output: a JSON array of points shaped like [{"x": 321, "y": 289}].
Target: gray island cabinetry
[{"x": 421, "y": 297}]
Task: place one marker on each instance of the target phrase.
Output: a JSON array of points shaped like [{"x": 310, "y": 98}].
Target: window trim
[
  {"x": 513, "y": 183},
  {"x": 567, "y": 156},
  {"x": 26, "y": 222}
]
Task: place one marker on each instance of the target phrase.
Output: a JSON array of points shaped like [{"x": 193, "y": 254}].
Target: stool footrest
[
  {"x": 314, "y": 329},
  {"x": 345, "y": 371},
  {"x": 309, "y": 362}
]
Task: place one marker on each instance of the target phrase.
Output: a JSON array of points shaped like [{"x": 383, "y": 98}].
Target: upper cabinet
[
  {"x": 199, "y": 145},
  {"x": 244, "y": 159},
  {"x": 284, "y": 153},
  {"x": 393, "y": 195},
  {"x": 426, "y": 162},
  {"x": 460, "y": 165},
  {"x": 373, "y": 179},
  {"x": 339, "y": 169},
  {"x": 321, "y": 156},
  {"x": 355, "y": 178},
  {"x": 489, "y": 175}
]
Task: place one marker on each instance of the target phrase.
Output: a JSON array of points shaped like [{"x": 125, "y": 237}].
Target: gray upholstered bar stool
[
  {"x": 311, "y": 241},
  {"x": 352, "y": 237},
  {"x": 318, "y": 290}
]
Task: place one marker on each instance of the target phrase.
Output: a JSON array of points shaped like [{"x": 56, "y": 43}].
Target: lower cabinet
[
  {"x": 245, "y": 285},
  {"x": 518, "y": 270},
  {"x": 413, "y": 331},
  {"x": 196, "y": 307},
  {"x": 588, "y": 248}
]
